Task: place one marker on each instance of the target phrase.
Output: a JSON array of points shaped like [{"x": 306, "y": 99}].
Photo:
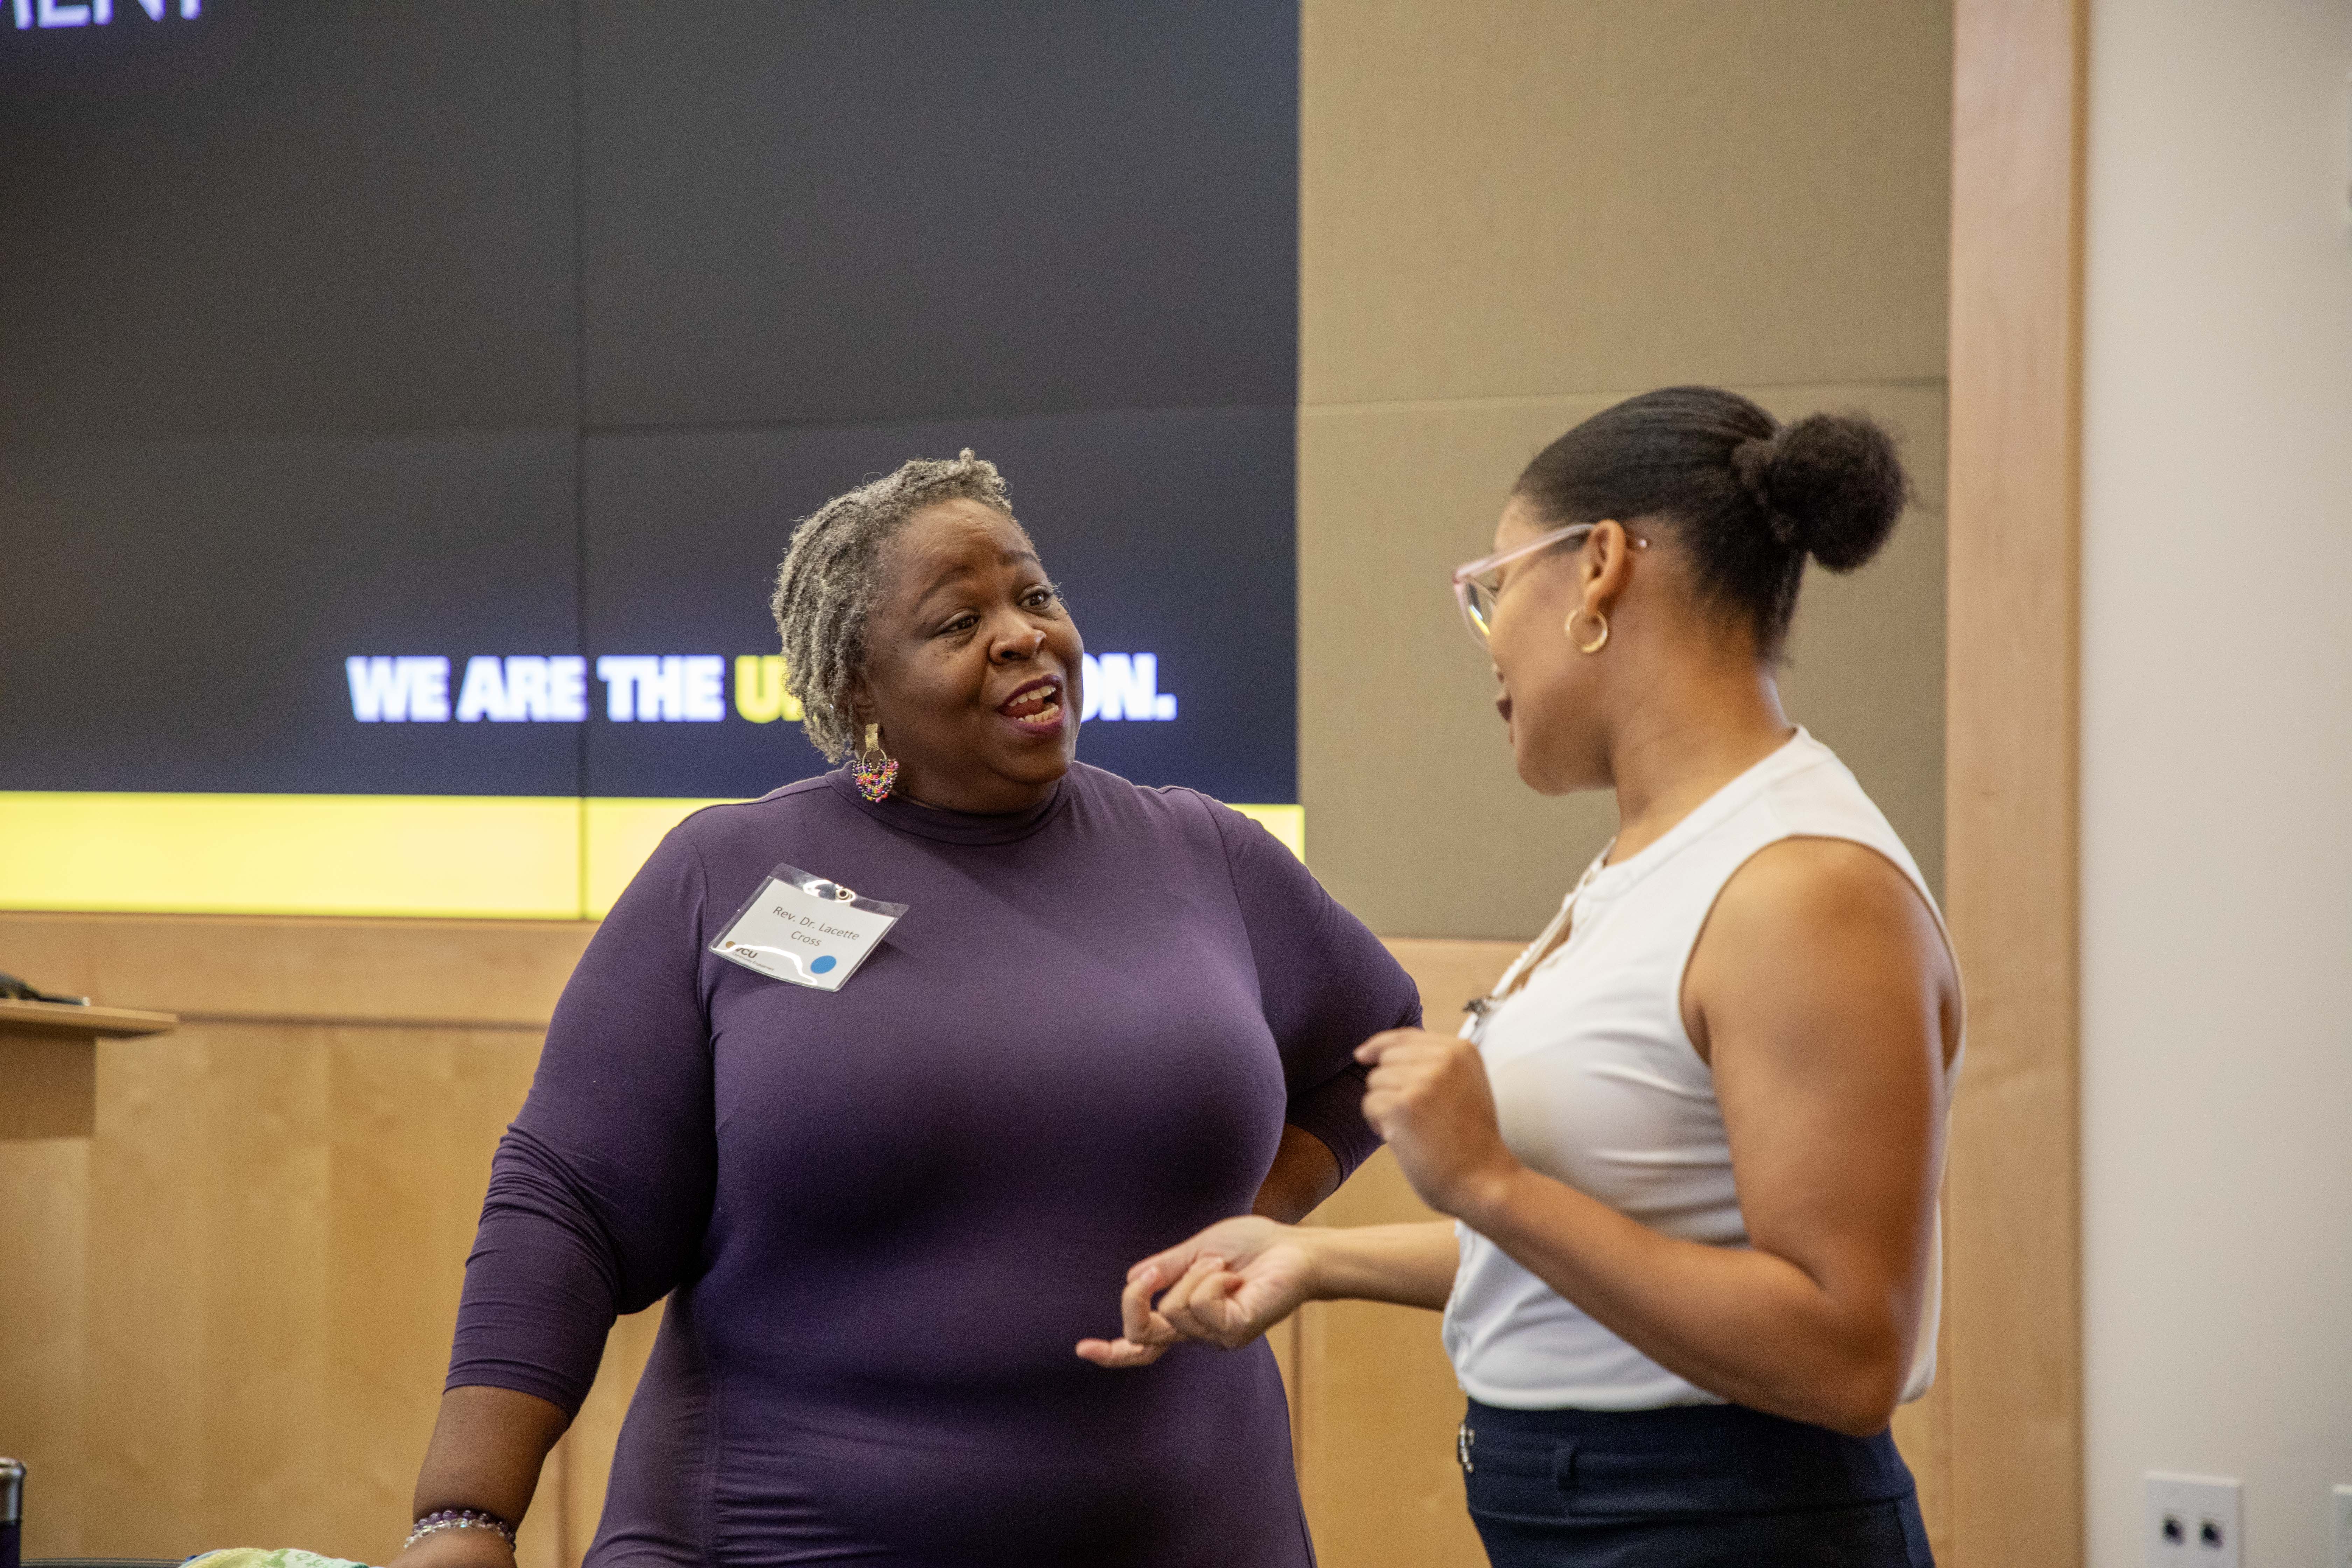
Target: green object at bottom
[{"x": 266, "y": 1557}]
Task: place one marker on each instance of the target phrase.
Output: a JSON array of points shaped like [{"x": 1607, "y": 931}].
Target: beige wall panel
[
  {"x": 201, "y": 967},
  {"x": 1418, "y": 822},
  {"x": 1517, "y": 197},
  {"x": 1448, "y": 975},
  {"x": 1865, "y": 666}
]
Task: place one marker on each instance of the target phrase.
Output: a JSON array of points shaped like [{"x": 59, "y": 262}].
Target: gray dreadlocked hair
[{"x": 832, "y": 577}]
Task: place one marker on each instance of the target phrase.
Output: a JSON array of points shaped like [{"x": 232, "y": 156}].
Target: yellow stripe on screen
[{"x": 452, "y": 857}]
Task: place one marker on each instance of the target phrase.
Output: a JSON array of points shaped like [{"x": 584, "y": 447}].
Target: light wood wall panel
[
  {"x": 237, "y": 1298},
  {"x": 43, "y": 1330},
  {"x": 279, "y": 1218},
  {"x": 2013, "y": 866},
  {"x": 1377, "y": 1408},
  {"x": 1417, "y": 820},
  {"x": 268, "y": 1227},
  {"x": 1504, "y": 198}
]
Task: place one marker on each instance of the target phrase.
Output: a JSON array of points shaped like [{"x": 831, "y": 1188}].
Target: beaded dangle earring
[{"x": 876, "y": 771}]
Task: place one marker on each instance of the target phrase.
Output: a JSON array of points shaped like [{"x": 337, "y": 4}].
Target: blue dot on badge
[{"x": 824, "y": 965}]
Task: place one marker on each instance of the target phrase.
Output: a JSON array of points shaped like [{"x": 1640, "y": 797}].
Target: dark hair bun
[
  {"x": 1749, "y": 498},
  {"x": 1830, "y": 486}
]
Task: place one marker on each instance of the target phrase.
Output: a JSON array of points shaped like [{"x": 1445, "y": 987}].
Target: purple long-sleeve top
[{"x": 884, "y": 1215}]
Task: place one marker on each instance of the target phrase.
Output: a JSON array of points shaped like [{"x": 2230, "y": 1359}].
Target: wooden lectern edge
[{"x": 65, "y": 1018}]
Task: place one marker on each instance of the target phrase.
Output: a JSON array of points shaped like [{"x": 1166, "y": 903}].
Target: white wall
[{"x": 2217, "y": 752}]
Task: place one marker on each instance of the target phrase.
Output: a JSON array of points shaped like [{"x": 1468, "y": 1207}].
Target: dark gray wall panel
[
  {"x": 283, "y": 216},
  {"x": 924, "y": 207}
]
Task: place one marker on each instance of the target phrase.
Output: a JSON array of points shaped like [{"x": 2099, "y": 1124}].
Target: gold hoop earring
[{"x": 1597, "y": 644}]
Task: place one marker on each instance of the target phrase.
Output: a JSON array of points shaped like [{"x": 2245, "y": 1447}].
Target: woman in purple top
[{"x": 884, "y": 1215}]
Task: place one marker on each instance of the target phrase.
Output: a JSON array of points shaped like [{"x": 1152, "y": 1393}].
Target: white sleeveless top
[{"x": 1598, "y": 1085}]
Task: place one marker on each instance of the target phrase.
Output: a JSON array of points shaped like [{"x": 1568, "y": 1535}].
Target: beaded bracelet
[{"x": 459, "y": 1519}]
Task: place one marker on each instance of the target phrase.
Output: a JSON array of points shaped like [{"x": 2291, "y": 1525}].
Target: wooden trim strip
[
  {"x": 2013, "y": 1312},
  {"x": 353, "y": 1021}
]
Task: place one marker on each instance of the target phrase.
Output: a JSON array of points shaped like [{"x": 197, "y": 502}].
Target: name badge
[{"x": 805, "y": 930}]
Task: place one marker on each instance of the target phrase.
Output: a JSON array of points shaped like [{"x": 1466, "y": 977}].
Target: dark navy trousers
[{"x": 1702, "y": 1486}]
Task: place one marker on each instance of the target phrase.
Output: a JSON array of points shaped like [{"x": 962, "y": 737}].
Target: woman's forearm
[
  {"x": 1745, "y": 1324},
  {"x": 1305, "y": 1173},
  {"x": 1411, "y": 1265},
  {"x": 488, "y": 1446}
]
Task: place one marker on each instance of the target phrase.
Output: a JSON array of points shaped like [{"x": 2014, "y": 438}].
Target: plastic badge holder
[{"x": 805, "y": 930}]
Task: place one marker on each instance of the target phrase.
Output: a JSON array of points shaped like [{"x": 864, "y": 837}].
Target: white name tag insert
[{"x": 805, "y": 931}]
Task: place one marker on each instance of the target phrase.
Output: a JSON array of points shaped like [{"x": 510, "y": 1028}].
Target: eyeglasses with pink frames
[{"x": 1478, "y": 585}]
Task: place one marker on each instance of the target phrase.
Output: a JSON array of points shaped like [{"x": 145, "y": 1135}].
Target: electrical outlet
[
  {"x": 2340, "y": 1523},
  {"x": 2194, "y": 1522}
]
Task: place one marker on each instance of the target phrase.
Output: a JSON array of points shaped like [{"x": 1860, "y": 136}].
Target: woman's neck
[
  {"x": 1694, "y": 730},
  {"x": 985, "y": 798}
]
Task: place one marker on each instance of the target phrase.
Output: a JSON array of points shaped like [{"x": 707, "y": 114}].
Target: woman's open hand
[
  {"x": 1225, "y": 1286},
  {"x": 1428, "y": 1097}
]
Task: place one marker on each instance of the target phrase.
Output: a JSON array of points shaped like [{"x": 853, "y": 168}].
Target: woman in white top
[{"x": 1692, "y": 1139}]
